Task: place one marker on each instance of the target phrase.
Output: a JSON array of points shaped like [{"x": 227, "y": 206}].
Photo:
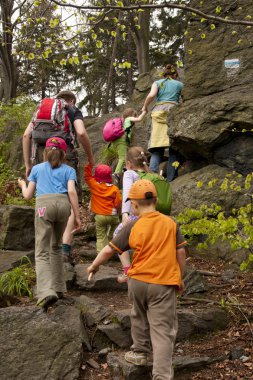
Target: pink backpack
[{"x": 113, "y": 129}]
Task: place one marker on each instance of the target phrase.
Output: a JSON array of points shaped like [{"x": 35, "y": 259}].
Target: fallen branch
[
  {"x": 207, "y": 273},
  {"x": 204, "y": 300}
]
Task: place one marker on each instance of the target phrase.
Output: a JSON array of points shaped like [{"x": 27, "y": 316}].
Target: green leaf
[
  {"x": 113, "y": 33},
  {"x": 81, "y": 44},
  {"x": 94, "y": 36},
  {"x": 212, "y": 26},
  {"x": 218, "y": 9},
  {"x": 203, "y": 36},
  {"x": 31, "y": 56},
  {"x": 99, "y": 44}
]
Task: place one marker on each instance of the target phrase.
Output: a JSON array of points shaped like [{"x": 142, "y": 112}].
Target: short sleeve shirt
[
  {"x": 154, "y": 258},
  {"x": 51, "y": 181}
]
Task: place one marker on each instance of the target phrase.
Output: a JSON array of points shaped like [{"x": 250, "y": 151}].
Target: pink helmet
[{"x": 103, "y": 173}]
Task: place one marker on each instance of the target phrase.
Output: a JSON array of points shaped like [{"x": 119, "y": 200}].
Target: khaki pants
[
  {"x": 105, "y": 227},
  {"x": 51, "y": 215},
  {"x": 154, "y": 322}
]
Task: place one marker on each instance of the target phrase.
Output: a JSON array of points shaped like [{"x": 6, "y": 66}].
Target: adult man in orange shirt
[{"x": 155, "y": 276}]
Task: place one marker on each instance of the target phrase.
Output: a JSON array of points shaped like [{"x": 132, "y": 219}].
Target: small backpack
[
  {"x": 113, "y": 129},
  {"x": 163, "y": 188},
  {"x": 51, "y": 119}
]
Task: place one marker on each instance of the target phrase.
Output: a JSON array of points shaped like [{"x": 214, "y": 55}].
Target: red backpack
[
  {"x": 113, "y": 129},
  {"x": 51, "y": 119}
]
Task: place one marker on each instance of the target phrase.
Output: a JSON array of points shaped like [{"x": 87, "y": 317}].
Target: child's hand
[
  {"x": 78, "y": 225},
  {"x": 125, "y": 218},
  {"x": 182, "y": 287},
  {"x": 91, "y": 270},
  {"x": 21, "y": 182}
]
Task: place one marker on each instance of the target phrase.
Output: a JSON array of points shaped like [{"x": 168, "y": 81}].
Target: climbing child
[
  {"x": 54, "y": 183},
  {"x": 120, "y": 145},
  {"x": 154, "y": 278},
  {"x": 136, "y": 160},
  {"x": 105, "y": 202}
]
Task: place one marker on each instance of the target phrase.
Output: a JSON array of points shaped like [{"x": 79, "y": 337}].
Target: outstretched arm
[
  {"x": 101, "y": 258},
  {"x": 84, "y": 139},
  {"x": 151, "y": 96},
  {"x": 138, "y": 118},
  {"x": 27, "y": 191},
  {"x": 74, "y": 203},
  {"x": 27, "y": 149}
]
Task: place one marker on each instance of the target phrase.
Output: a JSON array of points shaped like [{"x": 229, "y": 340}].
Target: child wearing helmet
[{"x": 105, "y": 202}]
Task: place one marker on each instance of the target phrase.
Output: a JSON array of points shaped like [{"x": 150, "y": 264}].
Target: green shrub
[
  {"x": 19, "y": 110},
  {"x": 209, "y": 224},
  {"x": 10, "y": 193},
  {"x": 18, "y": 281}
]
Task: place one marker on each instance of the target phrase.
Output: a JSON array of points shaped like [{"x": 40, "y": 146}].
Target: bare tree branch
[{"x": 183, "y": 7}]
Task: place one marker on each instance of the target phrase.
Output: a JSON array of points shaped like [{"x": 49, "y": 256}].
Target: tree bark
[{"x": 105, "y": 108}]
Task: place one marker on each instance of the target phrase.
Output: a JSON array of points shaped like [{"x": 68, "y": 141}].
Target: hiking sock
[{"x": 66, "y": 250}]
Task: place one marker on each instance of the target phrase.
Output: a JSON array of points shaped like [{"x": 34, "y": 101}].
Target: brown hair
[
  {"x": 170, "y": 71},
  {"x": 128, "y": 112},
  {"x": 146, "y": 202},
  {"x": 67, "y": 95},
  {"x": 54, "y": 156},
  {"x": 137, "y": 157}
]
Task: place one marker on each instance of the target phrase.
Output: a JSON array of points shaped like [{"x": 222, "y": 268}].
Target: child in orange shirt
[
  {"x": 105, "y": 202},
  {"x": 154, "y": 278}
]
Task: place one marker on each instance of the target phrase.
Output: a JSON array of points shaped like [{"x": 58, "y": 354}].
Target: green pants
[
  {"x": 105, "y": 227},
  {"x": 120, "y": 145},
  {"x": 51, "y": 215}
]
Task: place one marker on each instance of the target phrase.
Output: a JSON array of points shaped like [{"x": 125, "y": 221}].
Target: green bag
[{"x": 163, "y": 188}]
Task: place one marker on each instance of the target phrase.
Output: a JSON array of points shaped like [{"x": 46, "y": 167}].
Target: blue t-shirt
[
  {"x": 51, "y": 181},
  {"x": 169, "y": 90}
]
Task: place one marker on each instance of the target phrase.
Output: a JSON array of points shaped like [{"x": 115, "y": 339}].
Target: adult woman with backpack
[{"x": 166, "y": 93}]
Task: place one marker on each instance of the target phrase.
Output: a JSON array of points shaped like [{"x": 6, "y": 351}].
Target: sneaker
[
  {"x": 122, "y": 278},
  {"x": 48, "y": 301},
  {"x": 137, "y": 358}
]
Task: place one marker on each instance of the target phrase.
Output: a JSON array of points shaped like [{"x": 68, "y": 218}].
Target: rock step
[{"x": 12, "y": 259}]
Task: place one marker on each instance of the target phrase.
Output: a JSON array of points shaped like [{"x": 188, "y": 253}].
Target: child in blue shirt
[{"x": 54, "y": 183}]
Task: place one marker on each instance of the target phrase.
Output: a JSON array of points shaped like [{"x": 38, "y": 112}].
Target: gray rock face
[
  {"x": 16, "y": 228},
  {"x": 205, "y": 70},
  {"x": 187, "y": 194},
  {"x": 34, "y": 345},
  {"x": 201, "y": 127}
]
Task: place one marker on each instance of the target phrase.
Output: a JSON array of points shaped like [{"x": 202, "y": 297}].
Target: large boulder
[
  {"x": 35, "y": 345},
  {"x": 16, "y": 228},
  {"x": 186, "y": 193}
]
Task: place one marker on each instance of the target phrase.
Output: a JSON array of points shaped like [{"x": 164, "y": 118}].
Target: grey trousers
[
  {"x": 51, "y": 215},
  {"x": 154, "y": 323}
]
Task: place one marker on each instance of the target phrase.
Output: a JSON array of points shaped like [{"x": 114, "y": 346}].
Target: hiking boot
[
  {"x": 137, "y": 358},
  {"x": 48, "y": 301},
  {"x": 60, "y": 295},
  {"x": 123, "y": 277}
]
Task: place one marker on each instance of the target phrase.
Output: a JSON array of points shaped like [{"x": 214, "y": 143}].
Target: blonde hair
[
  {"x": 54, "y": 156},
  {"x": 128, "y": 112},
  {"x": 138, "y": 158}
]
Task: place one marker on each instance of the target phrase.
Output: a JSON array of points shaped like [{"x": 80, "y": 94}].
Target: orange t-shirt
[
  {"x": 105, "y": 197},
  {"x": 155, "y": 238}
]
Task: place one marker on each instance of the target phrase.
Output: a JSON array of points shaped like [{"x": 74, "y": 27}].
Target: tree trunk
[
  {"x": 8, "y": 71},
  {"x": 130, "y": 87},
  {"x": 105, "y": 108}
]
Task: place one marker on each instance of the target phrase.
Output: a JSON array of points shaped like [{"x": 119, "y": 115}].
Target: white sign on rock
[{"x": 232, "y": 66}]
